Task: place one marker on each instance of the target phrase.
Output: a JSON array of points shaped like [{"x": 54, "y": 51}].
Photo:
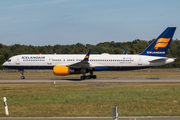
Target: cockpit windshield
[{"x": 9, "y": 60}]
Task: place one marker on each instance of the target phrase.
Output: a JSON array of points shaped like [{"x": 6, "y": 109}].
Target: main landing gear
[
  {"x": 22, "y": 73},
  {"x": 89, "y": 76}
]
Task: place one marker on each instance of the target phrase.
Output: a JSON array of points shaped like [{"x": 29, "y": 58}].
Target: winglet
[
  {"x": 86, "y": 58},
  {"x": 125, "y": 52}
]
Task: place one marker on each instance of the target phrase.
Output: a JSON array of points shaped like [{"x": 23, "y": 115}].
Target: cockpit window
[{"x": 9, "y": 60}]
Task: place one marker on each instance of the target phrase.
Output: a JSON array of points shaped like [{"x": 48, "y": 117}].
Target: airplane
[{"x": 66, "y": 64}]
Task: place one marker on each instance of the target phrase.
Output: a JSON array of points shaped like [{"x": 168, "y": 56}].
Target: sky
[{"x": 67, "y": 22}]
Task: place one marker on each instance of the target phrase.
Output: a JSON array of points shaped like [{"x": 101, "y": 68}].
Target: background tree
[
  {"x": 133, "y": 47},
  {"x": 2, "y": 60}
]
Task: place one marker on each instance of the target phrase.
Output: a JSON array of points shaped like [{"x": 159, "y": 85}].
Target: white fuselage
[{"x": 96, "y": 61}]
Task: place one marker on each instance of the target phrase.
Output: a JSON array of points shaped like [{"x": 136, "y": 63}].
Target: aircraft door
[
  {"x": 140, "y": 62},
  {"x": 18, "y": 61},
  {"x": 49, "y": 61}
]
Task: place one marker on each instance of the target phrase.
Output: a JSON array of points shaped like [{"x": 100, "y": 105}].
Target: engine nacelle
[{"x": 64, "y": 70}]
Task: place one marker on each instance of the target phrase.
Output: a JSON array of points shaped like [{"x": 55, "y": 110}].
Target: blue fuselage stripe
[
  {"x": 95, "y": 68},
  {"x": 29, "y": 67}
]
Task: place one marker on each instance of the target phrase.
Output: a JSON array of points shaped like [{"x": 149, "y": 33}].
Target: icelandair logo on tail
[{"x": 161, "y": 42}]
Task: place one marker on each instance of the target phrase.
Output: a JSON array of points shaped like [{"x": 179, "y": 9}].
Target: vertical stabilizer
[{"x": 160, "y": 46}]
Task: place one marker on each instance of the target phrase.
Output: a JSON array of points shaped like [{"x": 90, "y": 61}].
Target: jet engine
[{"x": 64, "y": 70}]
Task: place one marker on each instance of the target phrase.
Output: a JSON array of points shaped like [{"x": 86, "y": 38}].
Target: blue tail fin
[
  {"x": 160, "y": 46},
  {"x": 125, "y": 52},
  {"x": 86, "y": 58}
]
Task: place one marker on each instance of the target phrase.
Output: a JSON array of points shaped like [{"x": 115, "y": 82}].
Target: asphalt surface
[
  {"x": 97, "y": 118},
  {"x": 118, "y": 80}
]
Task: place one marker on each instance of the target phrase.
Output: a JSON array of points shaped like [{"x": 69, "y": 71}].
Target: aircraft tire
[
  {"x": 22, "y": 77},
  {"x": 83, "y": 77},
  {"x": 90, "y": 76},
  {"x": 94, "y": 77}
]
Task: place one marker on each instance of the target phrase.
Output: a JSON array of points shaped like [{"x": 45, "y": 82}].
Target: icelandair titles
[
  {"x": 33, "y": 57},
  {"x": 155, "y": 52}
]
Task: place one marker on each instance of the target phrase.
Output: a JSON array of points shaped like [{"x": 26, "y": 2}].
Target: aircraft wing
[{"x": 82, "y": 64}]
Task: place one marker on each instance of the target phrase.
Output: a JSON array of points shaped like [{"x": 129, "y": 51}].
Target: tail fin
[
  {"x": 86, "y": 58},
  {"x": 125, "y": 52},
  {"x": 160, "y": 46}
]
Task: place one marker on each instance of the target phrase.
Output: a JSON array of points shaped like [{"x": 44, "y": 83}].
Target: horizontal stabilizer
[{"x": 159, "y": 60}]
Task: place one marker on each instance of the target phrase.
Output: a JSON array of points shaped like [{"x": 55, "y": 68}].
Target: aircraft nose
[{"x": 4, "y": 64}]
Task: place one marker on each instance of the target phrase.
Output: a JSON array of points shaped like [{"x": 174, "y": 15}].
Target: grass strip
[{"x": 90, "y": 99}]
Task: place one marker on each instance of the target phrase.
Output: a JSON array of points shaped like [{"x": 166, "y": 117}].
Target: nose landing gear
[
  {"x": 22, "y": 73},
  {"x": 22, "y": 77}
]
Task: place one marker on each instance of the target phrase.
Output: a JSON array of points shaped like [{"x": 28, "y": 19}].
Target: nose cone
[{"x": 4, "y": 64}]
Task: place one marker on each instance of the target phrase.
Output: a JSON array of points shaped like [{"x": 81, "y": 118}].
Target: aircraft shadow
[
  {"x": 153, "y": 78},
  {"x": 70, "y": 79}
]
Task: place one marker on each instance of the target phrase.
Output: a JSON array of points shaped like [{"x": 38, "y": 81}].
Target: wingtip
[{"x": 87, "y": 55}]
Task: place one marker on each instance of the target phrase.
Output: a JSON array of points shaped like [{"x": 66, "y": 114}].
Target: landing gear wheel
[
  {"x": 22, "y": 77},
  {"x": 94, "y": 77},
  {"x": 90, "y": 76},
  {"x": 83, "y": 77}
]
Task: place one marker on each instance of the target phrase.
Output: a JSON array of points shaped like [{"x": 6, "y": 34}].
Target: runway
[
  {"x": 96, "y": 118},
  {"x": 116, "y": 80}
]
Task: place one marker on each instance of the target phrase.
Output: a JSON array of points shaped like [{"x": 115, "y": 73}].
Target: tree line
[{"x": 134, "y": 47}]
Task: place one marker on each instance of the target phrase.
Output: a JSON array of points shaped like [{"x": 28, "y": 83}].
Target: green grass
[
  {"x": 100, "y": 74},
  {"x": 89, "y": 99}
]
